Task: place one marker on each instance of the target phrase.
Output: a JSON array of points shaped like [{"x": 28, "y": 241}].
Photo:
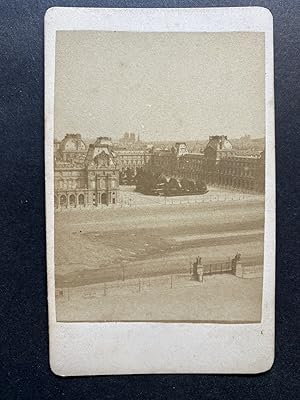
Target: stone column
[
  {"x": 194, "y": 275},
  {"x": 239, "y": 270},
  {"x": 200, "y": 271}
]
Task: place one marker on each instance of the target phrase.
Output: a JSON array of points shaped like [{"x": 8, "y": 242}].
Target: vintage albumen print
[{"x": 159, "y": 176}]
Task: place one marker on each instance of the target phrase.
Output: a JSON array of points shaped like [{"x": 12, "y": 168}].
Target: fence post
[
  {"x": 171, "y": 286},
  {"x": 123, "y": 273},
  {"x": 139, "y": 285},
  {"x": 104, "y": 289},
  {"x": 68, "y": 294}
]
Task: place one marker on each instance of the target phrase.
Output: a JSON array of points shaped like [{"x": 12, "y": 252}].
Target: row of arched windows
[{"x": 65, "y": 201}]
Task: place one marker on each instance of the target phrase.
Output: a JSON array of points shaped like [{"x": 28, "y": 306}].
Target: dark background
[{"x": 24, "y": 336}]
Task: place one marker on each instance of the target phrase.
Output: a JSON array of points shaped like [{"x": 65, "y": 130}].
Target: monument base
[{"x": 239, "y": 270}]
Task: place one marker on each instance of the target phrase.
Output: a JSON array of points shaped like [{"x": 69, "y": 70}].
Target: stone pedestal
[
  {"x": 239, "y": 270},
  {"x": 200, "y": 271},
  {"x": 197, "y": 274}
]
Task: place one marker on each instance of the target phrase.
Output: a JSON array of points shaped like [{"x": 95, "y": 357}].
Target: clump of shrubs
[{"x": 148, "y": 182}]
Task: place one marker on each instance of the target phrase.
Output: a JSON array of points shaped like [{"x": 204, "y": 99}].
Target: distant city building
[
  {"x": 181, "y": 148},
  {"x": 132, "y": 159},
  {"x": 129, "y": 139},
  {"x": 85, "y": 178}
]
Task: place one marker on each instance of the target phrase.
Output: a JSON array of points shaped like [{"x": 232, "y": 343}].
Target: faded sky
[{"x": 163, "y": 86}]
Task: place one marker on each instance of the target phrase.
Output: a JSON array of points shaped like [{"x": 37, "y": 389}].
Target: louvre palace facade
[
  {"x": 219, "y": 164},
  {"x": 89, "y": 176},
  {"x": 84, "y": 176}
]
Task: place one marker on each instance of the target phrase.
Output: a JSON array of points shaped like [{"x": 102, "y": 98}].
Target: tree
[{"x": 187, "y": 185}]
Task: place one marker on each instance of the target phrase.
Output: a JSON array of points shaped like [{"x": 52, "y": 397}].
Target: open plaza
[{"x": 152, "y": 237}]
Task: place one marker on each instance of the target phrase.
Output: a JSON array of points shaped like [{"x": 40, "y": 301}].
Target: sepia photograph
[
  {"x": 159, "y": 176},
  {"x": 160, "y": 190}
]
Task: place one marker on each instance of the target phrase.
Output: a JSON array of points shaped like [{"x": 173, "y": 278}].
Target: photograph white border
[{"x": 108, "y": 348}]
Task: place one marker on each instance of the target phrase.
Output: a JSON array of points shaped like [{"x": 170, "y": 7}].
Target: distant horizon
[{"x": 85, "y": 137}]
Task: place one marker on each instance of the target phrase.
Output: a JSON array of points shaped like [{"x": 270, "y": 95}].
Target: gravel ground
[
  {"x": 96, "y": 246},
  {"x": 221, "y": 298}
]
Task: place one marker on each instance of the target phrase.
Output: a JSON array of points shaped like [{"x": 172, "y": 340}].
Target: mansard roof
[
  {"x": 101, "y": 149},
  {"x": 72, "y": 142},
  {"x": 219, "y": 143}
]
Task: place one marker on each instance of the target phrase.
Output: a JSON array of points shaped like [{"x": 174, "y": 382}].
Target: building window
[
  {"x": 102, "y": 183},
  {"x": 63, "y": 201},
  {"x": 103, "y": 198},
  {"x": 72, "y": 200},
  {"x": 81, "y": 199}
]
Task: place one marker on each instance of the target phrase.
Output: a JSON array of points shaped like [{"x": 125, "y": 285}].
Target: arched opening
[
  {"x": 72, "y": 201},
  {"x": 103, "y": 198},
  {"x": 81, "y": 200},
  {"x": 63, "y": 201}
]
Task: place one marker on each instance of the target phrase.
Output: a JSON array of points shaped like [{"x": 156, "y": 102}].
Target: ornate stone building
[
  {"x": 169, "y": 162},
  {"x": 85, "y": 178},
  {"x": 90, "y": 177},
  {"x": 132, "y": 159},
  {"x": 219, "y": 165}
]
